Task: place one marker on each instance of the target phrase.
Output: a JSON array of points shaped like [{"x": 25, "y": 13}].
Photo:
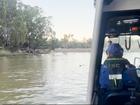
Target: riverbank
[
  {"x": 4, "y": 52},
  {"x": 73, "y": 50}
]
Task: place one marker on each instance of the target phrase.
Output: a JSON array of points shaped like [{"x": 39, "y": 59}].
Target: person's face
[{"x": 108, "y": 55}]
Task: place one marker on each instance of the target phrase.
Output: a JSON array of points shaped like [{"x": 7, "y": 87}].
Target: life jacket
[
  {"x": 112, "y": 71},
  {"x": 116, "y": 65}
]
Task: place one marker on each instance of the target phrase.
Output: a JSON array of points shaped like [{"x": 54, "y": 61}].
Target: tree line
[
  {"x": 68, "y": 41},
  {"x": 24, "y": 27}
]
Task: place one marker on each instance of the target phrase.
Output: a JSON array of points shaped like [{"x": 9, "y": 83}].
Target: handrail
[
  {"x": 136, "y": 59},
  {"x": 139, "y": 44},
  {"x": 128, "y": 45}
]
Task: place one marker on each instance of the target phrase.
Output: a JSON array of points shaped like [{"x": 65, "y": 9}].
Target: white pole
[{"x": 96, "y": 31}]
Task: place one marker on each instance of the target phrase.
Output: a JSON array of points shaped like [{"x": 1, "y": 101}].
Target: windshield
[
  {"x": 120, "y": 55},
  {"x": 128, "y": 54}
]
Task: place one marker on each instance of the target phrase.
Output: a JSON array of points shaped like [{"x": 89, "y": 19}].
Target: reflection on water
[{"x": 50, "y": 78}]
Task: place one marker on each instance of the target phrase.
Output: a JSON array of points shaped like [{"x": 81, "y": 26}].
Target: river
[
  {"x": 44, "y": 79},
  {"x": 55, "y": 78}
]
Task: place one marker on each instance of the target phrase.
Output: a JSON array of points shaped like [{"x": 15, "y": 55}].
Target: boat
[{"x": 114, "y": 19}]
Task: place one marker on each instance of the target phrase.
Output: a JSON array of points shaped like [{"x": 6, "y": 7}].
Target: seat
[
  {"x": 123, "y": 98},
  {"x": 115, "y": 98}
]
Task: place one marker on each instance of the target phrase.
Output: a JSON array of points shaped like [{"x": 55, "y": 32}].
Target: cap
[{"x": 115, "y": 50}]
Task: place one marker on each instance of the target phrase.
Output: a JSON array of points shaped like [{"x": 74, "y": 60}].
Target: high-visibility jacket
[
  {"x": 111, "y": 73},
  {"x": 116, "y": 65}
]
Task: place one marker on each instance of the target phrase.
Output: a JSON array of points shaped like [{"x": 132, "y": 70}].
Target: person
[
  {"x": 114, "y": 64},
  {"x": 114, "y": 67},
  {"x": 109, "y": 42}
]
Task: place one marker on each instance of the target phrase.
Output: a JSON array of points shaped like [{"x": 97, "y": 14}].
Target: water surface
[{"x": 44, "y": 79}]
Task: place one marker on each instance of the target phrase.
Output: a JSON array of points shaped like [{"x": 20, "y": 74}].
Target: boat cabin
[{"x": 116, "y": 21}]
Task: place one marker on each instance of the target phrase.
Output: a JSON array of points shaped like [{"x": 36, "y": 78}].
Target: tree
[
  {"x": 39, "y": 27},
  {"x": 66, "y": 39},
  {"x": 13, "y": 27},
  {"x": 22, "y": 24},
  {"x": 19, "y": 29}
]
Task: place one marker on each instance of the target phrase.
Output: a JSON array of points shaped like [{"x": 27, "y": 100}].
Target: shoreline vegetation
[
  {"x": 4, "y": 52},
  {"x": 24, "y": 29}
]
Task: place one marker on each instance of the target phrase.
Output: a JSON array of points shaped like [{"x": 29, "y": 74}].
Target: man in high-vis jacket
[
  {"x": 116, "y": 72},
  {"x": 113, "y": 67}
]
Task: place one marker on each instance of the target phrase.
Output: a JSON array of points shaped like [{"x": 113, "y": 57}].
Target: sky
[{"x": 68, "y": 16}]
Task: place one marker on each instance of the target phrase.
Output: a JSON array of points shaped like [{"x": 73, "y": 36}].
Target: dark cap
[{"x": 115, "y": 50}]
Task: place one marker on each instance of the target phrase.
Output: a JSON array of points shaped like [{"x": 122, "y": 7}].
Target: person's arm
[
  {"x": 104, "y": 77},
  {"x": 128, "y": 64}
]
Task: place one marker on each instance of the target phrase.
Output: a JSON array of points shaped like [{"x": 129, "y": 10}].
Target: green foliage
[
  {"x": 22, "y": 25},
  {"x": 68, "y": 41}
]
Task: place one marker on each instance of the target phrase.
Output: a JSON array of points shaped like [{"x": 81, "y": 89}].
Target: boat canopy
[
  {"x": 120, "y": 5},
  {"x": 122, "y": 17},
  {"x": 123, "y": 25}
]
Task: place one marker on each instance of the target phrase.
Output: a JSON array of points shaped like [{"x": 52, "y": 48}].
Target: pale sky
[{"x": 69, "y": 16}]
